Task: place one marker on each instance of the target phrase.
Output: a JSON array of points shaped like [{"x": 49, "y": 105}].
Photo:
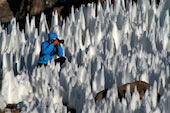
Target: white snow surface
[{"x": 104, "y": 50}]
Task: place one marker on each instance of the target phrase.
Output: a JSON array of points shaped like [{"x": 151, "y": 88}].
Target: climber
[{"x": 49, "y": 49}]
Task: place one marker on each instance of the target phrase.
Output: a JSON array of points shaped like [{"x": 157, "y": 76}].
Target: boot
[{"x": 60, "y": 60}]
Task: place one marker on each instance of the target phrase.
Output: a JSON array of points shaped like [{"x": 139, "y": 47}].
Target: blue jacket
[{"x": 48, "y": 50}]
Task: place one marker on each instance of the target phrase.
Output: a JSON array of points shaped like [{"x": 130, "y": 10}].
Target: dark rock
[
  {"x": 69, "y": 109},
  {"x": 140, "y": 85},
  {"x": 141, "y": 88},
  {"x": 50, "y": 3},
  {"x": 20, "y": 8},
  {"x": 6, "y": 13},
  {"x": 12, "y": 108},
  {"x": 101, "y": 95}
]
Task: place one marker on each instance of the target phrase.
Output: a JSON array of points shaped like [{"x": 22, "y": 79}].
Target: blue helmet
[{"x": 52, "y": 36}]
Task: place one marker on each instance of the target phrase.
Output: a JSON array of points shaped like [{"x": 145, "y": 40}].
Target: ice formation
[{"x": 117, "y": 45}]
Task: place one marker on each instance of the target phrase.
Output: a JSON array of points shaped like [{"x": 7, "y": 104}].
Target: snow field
[{"x": 117, "y": 46}]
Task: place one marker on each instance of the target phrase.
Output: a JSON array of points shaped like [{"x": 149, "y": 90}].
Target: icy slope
[{"x": 117, "y": 46}]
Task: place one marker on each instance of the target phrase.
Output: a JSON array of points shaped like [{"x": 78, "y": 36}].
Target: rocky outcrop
[
  {"x": 140, "y": 85},
  {"x": 11, "y": 108},
  {"x": 101, "y": 95},
  {"x": 6, "y": 13},
  {"x": 15, "y": 108},
  {"x": 20, "y": 8}
]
